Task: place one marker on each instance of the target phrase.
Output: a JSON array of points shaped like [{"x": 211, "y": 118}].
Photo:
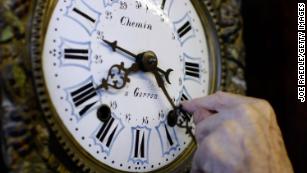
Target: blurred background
[{"x": 270, "y": 36}]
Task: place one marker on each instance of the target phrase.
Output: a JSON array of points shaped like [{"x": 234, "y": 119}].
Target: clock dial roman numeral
[
  {"x": 168, "y": 138},
  {"x": 82, "y": 95},
  {"x": 184, "y": 29},
  {"x": 84, "y": 15},
  {"x": 163, "y": 4},
  {"x": 192, "y": 68},
  {"x": 166, "y": 6},
  {"x": 107, "y": 133},
  {"x": 83, "y": 98},
  {"x": 139, "y": 147},
  {"x": 185, "y": 96},
  {"x": 75, "y": 53}
]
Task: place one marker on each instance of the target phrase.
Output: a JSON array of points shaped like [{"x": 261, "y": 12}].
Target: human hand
[{"x": 237, "y": 134}]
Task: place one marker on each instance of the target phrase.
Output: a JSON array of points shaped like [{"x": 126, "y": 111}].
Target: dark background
[
  {"x": 270, "y": 29},
  {"x": 270, "y": 36}
]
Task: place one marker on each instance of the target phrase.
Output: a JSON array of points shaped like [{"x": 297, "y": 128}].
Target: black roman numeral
[
  {"x": 192, "y": 69},
  {"x": 107, "y": 132},
  {"x": 76, "y": 54},
  {"x": 185, "y": 28},
  {"x": 83, "y": 94},
  {"x": 163, "y": 4},
  {"x": 184, "y": 97},
  {"x": 139, "y": 145},
  {"x": 169, "y": 138},
  {"x": 84, "y": 15}
]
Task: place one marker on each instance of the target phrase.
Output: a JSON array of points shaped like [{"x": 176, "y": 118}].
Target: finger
[
  {"x": 216, "y": 101},
  {"x": 200, "y": 115},
  {"x": 190, "y": 106}
]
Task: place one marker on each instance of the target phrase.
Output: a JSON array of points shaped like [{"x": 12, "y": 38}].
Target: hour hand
[
  {"x": 118, "y": 76},
  {"x": 166, "y": 74}
]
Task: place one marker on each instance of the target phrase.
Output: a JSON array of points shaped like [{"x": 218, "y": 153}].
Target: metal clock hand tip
[
  {"x": 166, "y": 74},
  {"x": 113, "y": 44}
]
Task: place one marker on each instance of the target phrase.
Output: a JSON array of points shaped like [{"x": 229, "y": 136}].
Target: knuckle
[
  {"x": 264, "y": 103},
  {"x": 220, "y": 96},
  {"x": 264, "y": 107},
  {"x": 256, "y": 111}
]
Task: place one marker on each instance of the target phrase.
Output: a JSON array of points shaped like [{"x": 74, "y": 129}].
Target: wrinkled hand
[{"x": 237, "y": 134}]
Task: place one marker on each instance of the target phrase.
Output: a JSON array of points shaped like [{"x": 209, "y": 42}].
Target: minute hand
[
  {"x": 114, "y": 46},
  {"x": 137, "y": 58},
  {"x": 162, "y": 86},
  {"x": 173, "y": 115}
]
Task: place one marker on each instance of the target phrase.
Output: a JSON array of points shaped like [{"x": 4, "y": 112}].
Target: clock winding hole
[{"x": 104, "y": 113}]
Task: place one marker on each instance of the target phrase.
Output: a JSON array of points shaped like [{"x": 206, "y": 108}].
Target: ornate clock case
[{"x": 35, "y": 138}]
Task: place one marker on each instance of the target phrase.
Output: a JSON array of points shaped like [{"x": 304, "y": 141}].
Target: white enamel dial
[{"x": 137, "y": 137}]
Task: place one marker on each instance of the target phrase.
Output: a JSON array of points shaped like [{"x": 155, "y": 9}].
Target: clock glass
[{"x": 125, "y": 129}]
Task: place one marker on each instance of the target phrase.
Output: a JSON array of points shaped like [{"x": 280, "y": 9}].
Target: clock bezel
[{"x": 40, "y": 22}]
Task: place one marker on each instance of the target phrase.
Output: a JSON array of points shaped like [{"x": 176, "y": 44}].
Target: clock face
[{"x": 136, "y": 136}]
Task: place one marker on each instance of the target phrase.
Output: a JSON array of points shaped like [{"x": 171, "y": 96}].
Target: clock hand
[
  {"x": 118, "y": 75},
  {"x": 160, "y": 82},
  {"x": 172, "y": 117},
  {"x": 137, "y": 58},
  {"x": 172, "y": 120},
  {"x": 114, "y": 46},
  {"x": 146, "y": 62},
  {"x": 166, "y": 74},
  {"x": 150, "y": 62}
]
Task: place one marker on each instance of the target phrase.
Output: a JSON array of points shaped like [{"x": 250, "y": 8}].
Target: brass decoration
[
  {"x": 230, "y": 21},
  {"x": 27, "y": 142},
  {"x": 25, "y": 137}
]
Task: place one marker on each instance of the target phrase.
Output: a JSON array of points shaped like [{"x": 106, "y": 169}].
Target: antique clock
[{"x": 109, "y": 77}]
